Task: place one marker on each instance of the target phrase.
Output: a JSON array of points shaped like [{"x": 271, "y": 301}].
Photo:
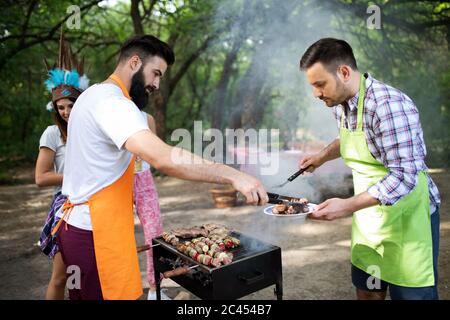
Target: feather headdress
[{"x": 66, "y": 79}]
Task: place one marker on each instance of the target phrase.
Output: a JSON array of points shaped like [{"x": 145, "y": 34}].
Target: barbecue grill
[{"x": 256, "y": 265}]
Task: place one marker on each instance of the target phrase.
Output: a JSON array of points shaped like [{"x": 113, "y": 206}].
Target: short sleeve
[
  {"x": 49, "y": 138},
  {"x": 119, "y": 119}
]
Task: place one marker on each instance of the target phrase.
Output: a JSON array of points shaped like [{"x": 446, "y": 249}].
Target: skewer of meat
[
  {"x": 231, "y": 242},
  {"x": 170, "y": 238},
  {"x": 214, "y": 257},
  {"x": 178, "y": 271}
]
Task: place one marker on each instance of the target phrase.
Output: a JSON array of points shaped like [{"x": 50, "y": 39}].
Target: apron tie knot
[{"x": 66, "y": 210}]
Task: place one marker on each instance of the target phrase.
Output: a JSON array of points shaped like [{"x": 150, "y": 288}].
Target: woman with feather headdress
[{"x": 65, "y": 82}]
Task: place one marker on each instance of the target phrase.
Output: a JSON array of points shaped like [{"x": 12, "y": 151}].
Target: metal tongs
[
  {"x": 291, "y": 178},
  {"x": 275, "y": 198}
]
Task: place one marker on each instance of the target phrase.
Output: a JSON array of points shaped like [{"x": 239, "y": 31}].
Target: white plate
[{"x": 311, "y": 206}]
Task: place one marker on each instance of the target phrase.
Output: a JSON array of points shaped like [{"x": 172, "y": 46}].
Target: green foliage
[{"x": 236, "y": 61}]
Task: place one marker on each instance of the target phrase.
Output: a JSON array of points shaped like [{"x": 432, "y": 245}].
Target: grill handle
[{"x": 251, "y": 280}]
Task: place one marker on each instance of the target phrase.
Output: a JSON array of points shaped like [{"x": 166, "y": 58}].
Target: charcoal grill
[{"x": 256, "y": 265}]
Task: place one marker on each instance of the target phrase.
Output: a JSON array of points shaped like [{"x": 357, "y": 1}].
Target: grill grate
[
  {"x": 248, "y": 248},
  {"x": 256, "y": 265}
]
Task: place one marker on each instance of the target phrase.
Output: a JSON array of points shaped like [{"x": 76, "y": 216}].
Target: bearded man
[{"x": 106, "y": 130}]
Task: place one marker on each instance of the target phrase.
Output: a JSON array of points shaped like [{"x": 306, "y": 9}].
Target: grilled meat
[
  {"x": 294, "y": 206},
  {"x": 208, "y": 249}
]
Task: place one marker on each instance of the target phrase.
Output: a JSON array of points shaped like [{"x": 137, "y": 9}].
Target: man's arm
[
  {"x": 401, "y": 149},
  {"x": 182, "y": 164},
  {"x": 330, "y": 152}
]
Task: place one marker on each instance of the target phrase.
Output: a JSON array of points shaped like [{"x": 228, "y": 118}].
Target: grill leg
[
  {"x": 158, "y": 286},
  {"x": 279, "y": 288},
  {"x": 157, "y": 278}
]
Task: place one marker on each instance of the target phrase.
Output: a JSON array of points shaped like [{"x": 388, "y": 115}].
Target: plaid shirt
[{"x": 394, "y": 137}]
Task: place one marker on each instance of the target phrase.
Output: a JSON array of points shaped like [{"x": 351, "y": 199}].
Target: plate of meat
[{"x": 290, "y": 210}]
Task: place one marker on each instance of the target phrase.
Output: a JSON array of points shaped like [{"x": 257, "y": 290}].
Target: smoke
[
  {"x": 278, "y": 33},
  {"x": 267, "y": 230}
]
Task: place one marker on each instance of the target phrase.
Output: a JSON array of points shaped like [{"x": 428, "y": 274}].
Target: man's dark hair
[
  {"x": 331, "y": 53},
  {"x": 144, "y": 46}
]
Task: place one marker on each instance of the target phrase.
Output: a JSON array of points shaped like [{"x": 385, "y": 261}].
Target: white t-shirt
[
  {"x": 51, "y": 138},
  {"x": 101, "y": 121}
]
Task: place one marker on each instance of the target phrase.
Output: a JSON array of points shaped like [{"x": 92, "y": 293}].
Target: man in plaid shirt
[
  {"x": 394, "y": 137},
  {"x": 391, "y": 143}
]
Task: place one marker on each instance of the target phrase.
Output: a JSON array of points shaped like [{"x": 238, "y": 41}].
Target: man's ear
[
  {"x": 344, "y": 72},
  {"x": 135, "y": 63}
]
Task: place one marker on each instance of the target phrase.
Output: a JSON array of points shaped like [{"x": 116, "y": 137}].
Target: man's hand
[
  {"x": 251, "y": 188},
  {"x": 332, "y": 209},
  {"x": 315, "y": 161},
  {"x": 330, "y": 152},
  {"x": 338, "y": 208}
]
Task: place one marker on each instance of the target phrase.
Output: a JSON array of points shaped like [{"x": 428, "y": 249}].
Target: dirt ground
[{"x": 315, "y": 255}]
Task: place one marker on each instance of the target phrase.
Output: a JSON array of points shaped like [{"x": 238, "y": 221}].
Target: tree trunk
[
  {"x": 219, "y": 104},
  {"x": 136, "y": 17},
  {"x": 158, "y": 103},
  {"x": 159, "y": 107},
  {"x": 251, "y": 99}
]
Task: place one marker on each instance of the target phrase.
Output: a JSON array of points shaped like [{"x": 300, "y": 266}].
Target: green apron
[{"x": 395, "y": 239}]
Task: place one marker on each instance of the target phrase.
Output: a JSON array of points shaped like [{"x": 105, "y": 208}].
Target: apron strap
[
  {"x": 361, "y": 96},
  {"x": 120, "y": 83},
  {"x": 343, "y": 117}
]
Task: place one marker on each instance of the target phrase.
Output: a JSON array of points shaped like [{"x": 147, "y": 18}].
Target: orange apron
[{"x": 111, "y": 211}]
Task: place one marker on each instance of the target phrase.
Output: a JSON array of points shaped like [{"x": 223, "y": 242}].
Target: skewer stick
[
  {"x": 146, "y": 247},
  {"x": 178, "y": 271}
]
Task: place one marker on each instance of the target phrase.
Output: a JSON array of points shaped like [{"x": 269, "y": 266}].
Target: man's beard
[
  {"x": 138, "y": 93},
  {"x": 343, "y": 96}
]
